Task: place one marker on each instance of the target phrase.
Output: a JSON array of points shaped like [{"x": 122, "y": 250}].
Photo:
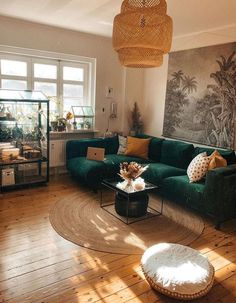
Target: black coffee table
[{"x": 129, "y": 207}]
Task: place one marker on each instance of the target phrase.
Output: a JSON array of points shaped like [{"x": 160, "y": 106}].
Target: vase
[
  {"x": 129, "y": 186},
  {"x": 68, "y": 127}
]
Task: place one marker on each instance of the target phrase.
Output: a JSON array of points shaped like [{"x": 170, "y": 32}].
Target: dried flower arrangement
[
  {"x": 131, "y": 170},
  {"x": 130, "y": 173}
]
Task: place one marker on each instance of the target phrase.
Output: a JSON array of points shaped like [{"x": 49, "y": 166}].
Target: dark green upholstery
[
  {"x": 78, "y": 148},
  {"x": 92, "y": 172},
  {"x": 154, "y": 147},
  {"x": 229, "y": 155},
  {"x": 88, "y": 171},
  {"x": 176, "y": 153},
  {"x": 178, "y": 188},
  {"x": 220, "y": 192},
  {"x": 157, "y": 172},
  {"x": 168, "y": 161}
]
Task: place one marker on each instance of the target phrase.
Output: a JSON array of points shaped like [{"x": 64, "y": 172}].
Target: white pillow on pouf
[
  {"x": 198, "y": 167},
  {"x": 177, "y": 271}
]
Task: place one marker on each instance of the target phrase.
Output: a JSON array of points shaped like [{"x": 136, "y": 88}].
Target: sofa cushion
[
  {"x": 154, "y": 147},
  {"x": 228, "y": 155},
  {"x": 89, "y": 171},
  {"x": 179, "y": 188},
  {"x": 111, "y": 145},
  {"x": 122, "y": 145},
  {"x": 216, "y": 161},
  {"x": 198, "y": 167},
  {"x": 137, "y": 147},
  {"x": 92, "y": 172},
  {"x": 176, "y": 153},
  {"x": 78, "y": 148},
  {"x": 114, "y": 159},
  {"x": 157, "y": 172}
]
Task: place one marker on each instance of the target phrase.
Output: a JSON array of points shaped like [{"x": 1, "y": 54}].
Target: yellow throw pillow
[
  {"x": 216, "y": 160},
  {"x": 137, "y": 147}
]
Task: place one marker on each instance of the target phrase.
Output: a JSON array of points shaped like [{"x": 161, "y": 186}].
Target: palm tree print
[
  {"x": 198, "y": 111},
  {"x": 189, "y": 84},
  {"x": 225, "y": 88},
  {"x": 178, "y": 77}
]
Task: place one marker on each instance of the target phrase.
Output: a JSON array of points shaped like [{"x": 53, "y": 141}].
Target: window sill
[{"x": 78, "y": 131}]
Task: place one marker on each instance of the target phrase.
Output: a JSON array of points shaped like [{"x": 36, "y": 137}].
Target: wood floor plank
[{"x": 37, "y": 265}]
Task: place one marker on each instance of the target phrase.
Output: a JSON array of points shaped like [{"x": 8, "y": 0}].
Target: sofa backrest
[
  {"x": 176, "y": 153},
  {"x": 154, "y": 152},
  {"x": 78, "y": 148},
  {"x": 229, "y": 155}
]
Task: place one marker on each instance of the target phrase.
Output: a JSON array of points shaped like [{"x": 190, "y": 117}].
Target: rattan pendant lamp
[{"x": 142, "y": 33}]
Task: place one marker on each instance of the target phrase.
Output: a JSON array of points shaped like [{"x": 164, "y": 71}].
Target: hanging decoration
[{"x": 142, "y": 33}]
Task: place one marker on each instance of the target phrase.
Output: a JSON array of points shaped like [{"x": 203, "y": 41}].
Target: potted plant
[
  {"x": 137, "y": 123},
  {"x": 69, "y": 116}
]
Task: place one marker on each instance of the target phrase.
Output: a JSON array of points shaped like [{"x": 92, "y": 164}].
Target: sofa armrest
[
  {"x": 78, "y": 148},
  {"x": 220, "y": 192}
]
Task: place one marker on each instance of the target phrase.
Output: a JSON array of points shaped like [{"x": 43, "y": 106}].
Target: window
[{"x": 66, "y": 83}]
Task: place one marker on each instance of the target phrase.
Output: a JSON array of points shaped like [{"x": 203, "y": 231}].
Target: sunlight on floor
[{"x": 132, "y": 238}]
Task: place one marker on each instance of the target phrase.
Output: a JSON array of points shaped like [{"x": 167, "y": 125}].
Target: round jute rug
[{"x": 79, "y": 219}]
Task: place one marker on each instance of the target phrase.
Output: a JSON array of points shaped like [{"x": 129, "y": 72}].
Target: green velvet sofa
[{"x": 168, "y": 160}]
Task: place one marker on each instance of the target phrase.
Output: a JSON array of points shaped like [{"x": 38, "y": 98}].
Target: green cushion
[
  {"x": 111, "y": 145},
  {"x": 179, "y": 189},
  {"x": 78, "y": 148},
  {"x": 155, "y": 146},
  {"x": 229, "y": 155},
  {"x": 157, "y": 172},
  {"x": 114, "y": 159},
  {"x": 89, "y": 171},
  {"x": 92, "y": 172},
  {"x": 176, "y": 153}
]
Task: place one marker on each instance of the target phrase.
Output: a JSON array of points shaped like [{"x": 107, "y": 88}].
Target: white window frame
[
  {"x": 60, "y": 59},
  {"x": 20, "y": 78},
  {"x": 84, "y": 83}
]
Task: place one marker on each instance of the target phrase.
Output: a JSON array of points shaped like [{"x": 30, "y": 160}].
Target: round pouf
[
  {"x": 137, "y": 206},
  {"x": 177, "y": 271}
]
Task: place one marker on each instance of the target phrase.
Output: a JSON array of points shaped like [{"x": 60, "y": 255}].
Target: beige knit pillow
[{"x": 198, "y": 167}]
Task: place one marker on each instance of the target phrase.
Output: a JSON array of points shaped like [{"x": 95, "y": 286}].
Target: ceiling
[{"x": 96, "y": 16}]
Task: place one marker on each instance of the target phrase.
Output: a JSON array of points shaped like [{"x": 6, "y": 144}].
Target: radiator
[{"x": 57, "y": 153}]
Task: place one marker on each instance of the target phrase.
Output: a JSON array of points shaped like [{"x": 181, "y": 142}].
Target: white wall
[
  {"x": 155, "y": 79},
  {"x": 18, "y": 33}
]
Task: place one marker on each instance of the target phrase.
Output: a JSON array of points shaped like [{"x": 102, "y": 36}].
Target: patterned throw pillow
[
  {"x": 197, "y": 169},
  {"x": 122, "y": 145}
]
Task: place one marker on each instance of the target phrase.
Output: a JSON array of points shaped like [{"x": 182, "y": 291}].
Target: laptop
[{"x": 95, "y": 153}]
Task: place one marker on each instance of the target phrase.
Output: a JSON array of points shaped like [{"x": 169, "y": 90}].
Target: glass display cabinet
[
  {"x": 24, "y": 138},
  {"x": 83, "y": 117}
]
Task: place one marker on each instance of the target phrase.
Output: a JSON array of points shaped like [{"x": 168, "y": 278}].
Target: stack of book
[{"x": 8, "y": 152}]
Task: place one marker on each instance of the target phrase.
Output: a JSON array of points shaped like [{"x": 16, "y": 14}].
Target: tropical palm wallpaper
[{"x": 201, "y": 95}]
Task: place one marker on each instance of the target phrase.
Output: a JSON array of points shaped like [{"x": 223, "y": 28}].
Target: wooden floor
[{"x": 39, "y": 266}]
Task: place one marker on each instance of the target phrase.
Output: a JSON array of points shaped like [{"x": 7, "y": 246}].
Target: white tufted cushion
[
  {"x": 198, "y": 167},
  {"x": 178, "y": 271}
]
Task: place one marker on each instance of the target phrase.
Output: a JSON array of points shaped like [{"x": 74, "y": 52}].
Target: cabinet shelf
[
  {"x": 26, "y": 161},
  {"x": 29, "y": 135},
  {"x": 5, "y": 119},
  {"x": 28, "y": 180}
]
